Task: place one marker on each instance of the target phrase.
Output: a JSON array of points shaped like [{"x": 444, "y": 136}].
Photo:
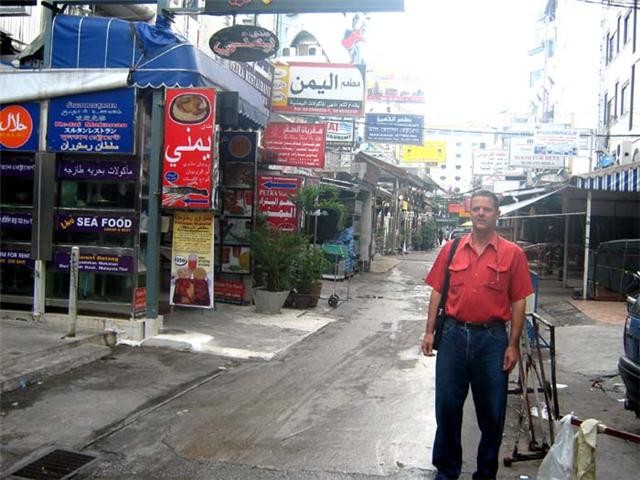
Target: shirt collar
[{"x": 493, "y": 241}]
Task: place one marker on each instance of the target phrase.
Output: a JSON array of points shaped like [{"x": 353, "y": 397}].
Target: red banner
[
  {"x": 188, "y": 148},
  {"x": 297, "y": 144},
  {"x": 274, "y": 201},
  {"x": 229, "y": 291}
]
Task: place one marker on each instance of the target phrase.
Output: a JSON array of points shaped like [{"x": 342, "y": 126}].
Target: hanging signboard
[
  {"x": 192, "y": 260},
  {"x": 340, "y": 134},
  {"x": 525, "y": 151},
  {"x": 94, "y": 223},
  {"x": 297, "y": 144},
  {"x": 19, "y": 126},
  {"x": 274, "y": 201},
  {"x": 394, "y": 128},
  {"x": 92, "y": 122},
  {"x": 490, "y": 161},
  {"x": 229, "y": 7},
  {"x": 244, "y": 43},
  {"x": 555, "y": 140},
  {"x": 431, "y": 153},
  {"x": 188, "y": 148},
  {"x": 319, "y": 89}
]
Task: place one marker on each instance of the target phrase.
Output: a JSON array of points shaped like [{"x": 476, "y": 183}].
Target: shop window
[
  {"x": 92, "y": 286},
  {"x": 16, "y": 190},
  {"x": 16, "y": 280},
  {"x": 80, "y": 194}
]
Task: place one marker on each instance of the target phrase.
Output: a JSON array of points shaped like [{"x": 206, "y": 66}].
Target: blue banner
[
  {"x": 394, "y": 128},
  {"x": 99, "y": 122}
]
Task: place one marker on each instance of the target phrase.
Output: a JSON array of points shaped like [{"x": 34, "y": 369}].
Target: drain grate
[{"x": 58, "y": 464}]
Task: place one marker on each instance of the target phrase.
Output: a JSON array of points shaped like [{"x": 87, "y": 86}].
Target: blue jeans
[{"x": 470, "y": 356}]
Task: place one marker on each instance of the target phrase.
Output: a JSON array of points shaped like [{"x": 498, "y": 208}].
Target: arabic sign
[
  {"x": 15, "y": 258},
  {"x": 340, "y": 134},
  {"x": 92, "y": 122},
  {"x": 319, "y": 89},
  {"x": 297, "y": 144},
  {"x": 188, "y": 148},
  {"x": 431, "y": 152},
  {"x": 192, "y": 260},
  {"x": 229, "y": 291},
  {"x": 274, "y": 201},
  {"x": 394, "y": 128},
  {"x": 522, "y": 154},
  {"x": 95, "y": 262},
  {"x": 244, "y": 43},
  {"x": 228, "y": 7},
  {"x": 238, "y": 146},
  {"x": 97, "y": 170},
  {"x": 94, "y": 223},
  {"x": 19, "y": 126},
  {"x": 555, "y": 140},
  {"x": 21, "y": 167},
  {"x": 491, "y": 161}
]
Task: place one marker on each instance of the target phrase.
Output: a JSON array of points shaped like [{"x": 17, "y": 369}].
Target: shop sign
[
  {"x": 16, "y": 167},
  {"x": 228, "y": 7},
  {"x": 238, "y": 146},
  {"x": 93, "y": 122},
  {"x": 340, "y": 134},
  {"x": 531, "y": 148},
  {"x": 229, "y": 291},
  {"x": 297, "y": 144},
  {"x": 394, "y": 128},
  {"x": 274, "y": 201},
  {"x": 15, "y": 258},
  {"x": 188, "y": 148},
  {"x": 15, "y": 221},
  {"x": 19, "y": 126},
  {"x": 139, "y": 300},
  {"x": 244, "y": 43},
  {"x": 95, "y": 262},
  {"x": 430, "y": 153},
  {"x": 490, "y": 161},
  {"x": 97, "y": 170},
  {"x": 455, "y": 207},
  {"x": 192, "y": 265},
  {"x": 93, "y": 223},
  {"x": 319, "y": 89}
]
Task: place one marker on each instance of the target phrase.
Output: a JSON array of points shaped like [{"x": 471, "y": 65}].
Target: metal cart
[{"x": 336, "y": 253}]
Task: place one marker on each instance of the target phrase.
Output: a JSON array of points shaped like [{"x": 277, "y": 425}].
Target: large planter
[
  {"x": 307, "y": 299},
  {"x": 269, "y": 302}
]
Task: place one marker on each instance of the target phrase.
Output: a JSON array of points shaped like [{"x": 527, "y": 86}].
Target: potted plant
[
  {"x": 273, "y": 251},
  {"x": 309, "y": 266},
  {"x": 323, "y": 210}
]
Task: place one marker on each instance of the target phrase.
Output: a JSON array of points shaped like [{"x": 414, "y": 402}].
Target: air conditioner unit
[
  {"x": 624, "y": 151},
  {"x": 289, "y": 52}
]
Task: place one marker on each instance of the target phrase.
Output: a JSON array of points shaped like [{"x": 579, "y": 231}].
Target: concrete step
[{"x": 36, "y": 366}]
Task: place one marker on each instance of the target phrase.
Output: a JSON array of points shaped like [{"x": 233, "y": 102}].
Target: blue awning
[
  {"x": 156, "y": 56},
  {"x": 622, "y": 178}
]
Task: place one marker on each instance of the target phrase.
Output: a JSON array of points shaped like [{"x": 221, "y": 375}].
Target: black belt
[{"x": 477, "y": 325}]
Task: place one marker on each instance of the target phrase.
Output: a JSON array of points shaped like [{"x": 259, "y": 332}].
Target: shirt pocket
[
  {"x": 458, "y": 273},
  {"x": 497, "y": 277}
]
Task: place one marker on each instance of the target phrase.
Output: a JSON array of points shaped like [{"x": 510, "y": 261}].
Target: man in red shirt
[{"x": 489, "y": 283}]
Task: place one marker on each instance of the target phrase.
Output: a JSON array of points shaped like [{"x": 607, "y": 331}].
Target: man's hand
[
  {"x": 511, "y": 358},
  {"x": 427, "y": 345}
]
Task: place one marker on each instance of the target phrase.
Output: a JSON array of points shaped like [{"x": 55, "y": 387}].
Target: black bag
[{"x": 441, "y": 316}]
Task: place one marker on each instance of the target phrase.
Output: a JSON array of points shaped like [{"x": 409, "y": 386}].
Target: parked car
[{"x": 629, "y": 363}]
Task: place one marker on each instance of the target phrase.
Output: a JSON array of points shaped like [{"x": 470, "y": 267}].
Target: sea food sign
[
  {"x": 227, "y": 7},
  {"x": 188, "y": 148},
  {"x": 244, "y": 43}
]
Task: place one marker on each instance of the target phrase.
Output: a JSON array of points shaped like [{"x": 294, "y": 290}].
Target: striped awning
[{"x": 622, "y": 178}]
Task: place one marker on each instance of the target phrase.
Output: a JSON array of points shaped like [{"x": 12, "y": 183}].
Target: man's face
[{"x": 484, "y": 214}]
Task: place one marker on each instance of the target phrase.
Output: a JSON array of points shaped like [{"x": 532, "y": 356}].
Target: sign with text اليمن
[
  {"x": 297, "y": 144},
  {"x": 274, "y": 201}
]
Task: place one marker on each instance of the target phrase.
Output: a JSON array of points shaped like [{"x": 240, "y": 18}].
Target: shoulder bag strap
[{"x": 445, "y": 289}]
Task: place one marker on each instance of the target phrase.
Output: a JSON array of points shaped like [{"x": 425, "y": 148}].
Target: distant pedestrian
[
  {"x": 440, "y": 236},
  {"x": 489, "y": 283}
]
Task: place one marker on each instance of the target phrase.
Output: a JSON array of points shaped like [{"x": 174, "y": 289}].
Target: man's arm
[
  {"x": 427, "y": 341},
  {"x": 512, "y": 354}
]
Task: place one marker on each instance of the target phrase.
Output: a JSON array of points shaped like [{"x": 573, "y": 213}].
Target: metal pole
[
  {"x": 74, "y": 265},
  {"x": 587, "y": 227},
  {"x": 565, "y": 259}
]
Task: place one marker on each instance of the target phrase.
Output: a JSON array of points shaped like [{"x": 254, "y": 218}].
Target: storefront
[{"x": 102, "y": 152}]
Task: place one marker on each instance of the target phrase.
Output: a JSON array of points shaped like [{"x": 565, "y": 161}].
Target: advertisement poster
[
  {"x": 274, "y": 201},
  {"x": 192, "y": 260},
  {"x": 524, "y": 152},
  {"x": 340, "y": 134},
  {"x": 229, "y": 291},
  {"x": 237, "y": 203},
  {"x": 297, "y": 144},
  {"x": 394, "y": 128},
  {"x": 189, "y": 117},
  {"x": 490, "y": 161},
  {"x": 97, "y": 170},
  {"x": 19, "y": 126},
  {"x": 235, "y": 259},
  {"x": 95, "y": 262},
  {"x": 319, "y": 89},
  {"x": 100, "y": 122},
  {"x": 430, "y": 153}
]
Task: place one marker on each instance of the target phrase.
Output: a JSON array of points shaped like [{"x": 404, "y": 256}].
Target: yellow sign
[
  {"x": 464, "y": 213},
  {"x": 430, "y": 152}
]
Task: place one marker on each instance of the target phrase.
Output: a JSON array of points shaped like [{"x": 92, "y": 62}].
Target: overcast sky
[{"x": 472, "y": 54}]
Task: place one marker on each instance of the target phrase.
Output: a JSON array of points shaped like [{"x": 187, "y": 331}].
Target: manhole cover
[{"x": 57, "y": 464}]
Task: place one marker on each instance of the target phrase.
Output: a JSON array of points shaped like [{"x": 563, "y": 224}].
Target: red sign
[
  {"x": 140, "y": 299},
  {"x": 229, "y": 290},
  {"x": 274, "y": 201},
  {"x": 188, "y": 148},
  {"x": 297, "y": 144},
  {"x": 455, "y": 207},
  {"x": 16, "y": 126}
]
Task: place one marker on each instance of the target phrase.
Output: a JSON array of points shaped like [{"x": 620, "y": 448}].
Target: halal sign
[{"x": 244, "y": 43}]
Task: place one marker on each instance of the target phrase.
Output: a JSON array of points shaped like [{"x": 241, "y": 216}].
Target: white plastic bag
[{"x": 558, "y": 463}]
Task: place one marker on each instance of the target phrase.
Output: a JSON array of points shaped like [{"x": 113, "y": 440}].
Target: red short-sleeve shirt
[{"x": 482, "y": 288}]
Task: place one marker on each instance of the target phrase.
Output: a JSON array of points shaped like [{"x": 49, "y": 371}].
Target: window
[
  {"x": 458, "y": 167},
  {"x": 618, "y": 36},
  {"x": 458, "y": 155},
  {"x": 102, "y": 194},
  {"x": 458, "y": 179},
  {"x": 609, "y": 115},
  {"x": 443, "y": 177},
  {"x": 443, "y": 166},
  {"x": 624, "y": 99},
  {"x": 626, "y": 32}
]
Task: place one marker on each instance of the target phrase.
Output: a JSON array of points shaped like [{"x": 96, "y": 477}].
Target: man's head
[{"x": 484, "y": 211}]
